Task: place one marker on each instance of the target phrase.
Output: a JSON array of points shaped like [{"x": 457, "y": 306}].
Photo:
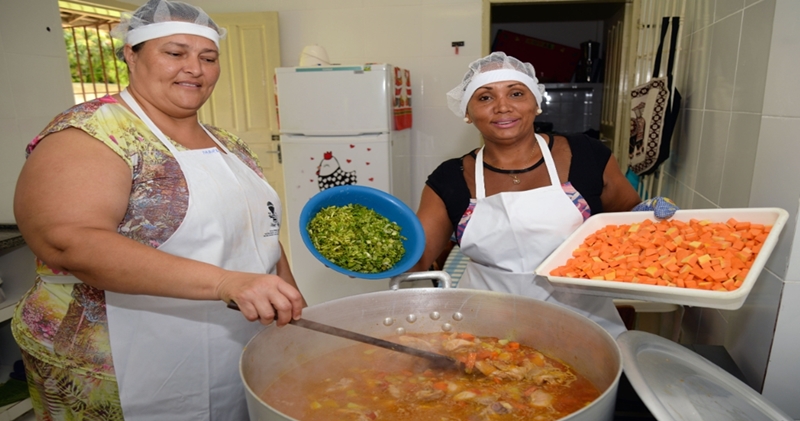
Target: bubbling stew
[{"x": 501, "y": 380}]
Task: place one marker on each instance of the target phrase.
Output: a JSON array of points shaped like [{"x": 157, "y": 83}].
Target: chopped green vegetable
[{"x": 356, "y": 238}]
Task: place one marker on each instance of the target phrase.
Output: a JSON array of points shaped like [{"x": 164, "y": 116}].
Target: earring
[
  {"x": 539, "y": 111},
  {"x": 466, "y": 120}
]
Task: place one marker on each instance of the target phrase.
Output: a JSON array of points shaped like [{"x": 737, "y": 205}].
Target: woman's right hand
[{"x": 262, "y": 297}]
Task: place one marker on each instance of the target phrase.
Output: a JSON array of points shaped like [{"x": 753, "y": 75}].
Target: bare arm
[
  {"x": 618, "y": 193},
  {"x": 436, "y": 224},
  {"x": 72, "y": 193}
]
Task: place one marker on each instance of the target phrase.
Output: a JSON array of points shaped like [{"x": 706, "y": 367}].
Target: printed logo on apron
[
  {"x": 509, "y": 234},
  {"x": 177, "y": 359}
]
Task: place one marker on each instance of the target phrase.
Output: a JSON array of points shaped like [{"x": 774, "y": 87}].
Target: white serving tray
[{"x": 728, "y": 300}]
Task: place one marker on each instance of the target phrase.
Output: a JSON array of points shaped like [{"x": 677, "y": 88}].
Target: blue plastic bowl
[{"x": 381, "y": 202}]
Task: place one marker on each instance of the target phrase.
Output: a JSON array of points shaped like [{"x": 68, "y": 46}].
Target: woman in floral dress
[{"x": 145, "y": 223}]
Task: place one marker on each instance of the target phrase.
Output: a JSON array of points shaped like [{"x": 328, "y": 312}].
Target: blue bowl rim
[{"x": 415, "y": 235}]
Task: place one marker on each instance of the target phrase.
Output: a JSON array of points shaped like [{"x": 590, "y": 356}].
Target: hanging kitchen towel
[
  {"x": 402, "y": 99},
  {"x": 655, "y": 106}
]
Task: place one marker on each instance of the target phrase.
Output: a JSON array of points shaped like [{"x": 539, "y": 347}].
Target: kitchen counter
[{"x": 9, "y": 237}]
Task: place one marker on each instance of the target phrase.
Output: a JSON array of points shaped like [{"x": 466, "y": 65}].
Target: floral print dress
[{"x": 62, "y": 329}]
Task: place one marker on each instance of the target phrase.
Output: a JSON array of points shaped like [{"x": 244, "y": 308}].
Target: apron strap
[
  {"x": 480, "y": 189},
  {"x": 548, "y": 161},
  {"x": 137, "y": 109}
]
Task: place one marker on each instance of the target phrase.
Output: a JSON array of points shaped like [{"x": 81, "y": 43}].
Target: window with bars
[{"x": 94, "y": 67}]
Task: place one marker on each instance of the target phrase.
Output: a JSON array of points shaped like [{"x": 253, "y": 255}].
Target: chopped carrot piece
[{"x": 440, "y": 385}]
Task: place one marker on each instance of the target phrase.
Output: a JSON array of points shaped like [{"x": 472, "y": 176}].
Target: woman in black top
[
  {"x": 513, "y": 201},
  {"x": 586, "y": 168}
]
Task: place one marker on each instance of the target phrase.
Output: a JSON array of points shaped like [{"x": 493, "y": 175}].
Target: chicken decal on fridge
[{"x": 330, "y": 173}]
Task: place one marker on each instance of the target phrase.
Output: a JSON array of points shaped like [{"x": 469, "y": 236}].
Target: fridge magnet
[
  {"x": 402, "y": 99},
  {"x": 331, "y": 174}
]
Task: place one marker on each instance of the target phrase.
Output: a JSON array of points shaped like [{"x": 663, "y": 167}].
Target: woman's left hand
[{"x": 662, "y": 207}]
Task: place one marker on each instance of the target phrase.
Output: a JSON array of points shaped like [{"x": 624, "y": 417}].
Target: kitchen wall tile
[
  {"x": 690, "y": 324},
  {"x": 393, "y": 2},
  {"x": 311, "y": 4},
  {"x": 722, "y": 62},
  {"x": 682, "y": 70},
  {"x": 440, "y": 75},
  {"x": 683, "y": 161},
  {"x": 775, "y": 179},
  {"x": 12, "y": 152},
  {"x": 682, "y": 195},
  {"x": 32, "y": 29},
  {"x": 740, "y": 158},
  {"x": 712, "y": 328},
  {"x": 751, "y": 68},
  {"x": 793, "y": 267},
  {"x": 16, "y": 134},
  {"x": 700, "y": 202},
  {"x": 244, "y": 6},
  {"x": 424, "y": 166},
  {"x": 443, "y": 141},
  {"x": 35, "y": 77},
  {"x": 776, "y": 160},
  {"x": 778, "y": 261},
  {"x": 323, "y": 27},
  {"x": 751, "y": 327},
  {"x": 783, "y": 375},
  {"x": 712, "y": 154},
  {"x": 7, "y": 106},
  {"x": 693, "y": 91},
  {"x": 725, "y": 8},
  {"x": 780, "y": 98},
  {"x": 28, "y": 128},
  {"x": 701, "y": 15},
  {"x": 293, "y": 38},
  {"x": 441, "y": 24},
  {"x": 389, "y": 29},
  {"x": 669, "y": 186},
  {"x": 451, "y": 2}
]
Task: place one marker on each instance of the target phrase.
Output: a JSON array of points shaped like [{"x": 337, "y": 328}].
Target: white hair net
[
  {"x": 161, "y": 18},
  {"x": 495, "y": 67}
]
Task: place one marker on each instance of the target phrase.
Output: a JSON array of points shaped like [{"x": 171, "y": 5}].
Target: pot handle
[{"x": 443, "y": 277}]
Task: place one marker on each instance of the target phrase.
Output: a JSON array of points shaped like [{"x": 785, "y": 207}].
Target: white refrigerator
[{"x": 340, "y": 125}]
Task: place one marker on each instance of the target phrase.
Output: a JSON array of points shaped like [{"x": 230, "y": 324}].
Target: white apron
[
  {"x": 509, "y": 234},
  {"x": 177, "y": 359}
]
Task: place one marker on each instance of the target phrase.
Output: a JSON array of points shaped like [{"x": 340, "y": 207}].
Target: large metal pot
[{"x": 554, "y": 330}]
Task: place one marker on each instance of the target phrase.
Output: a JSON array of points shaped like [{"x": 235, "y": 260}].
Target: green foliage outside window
[{"x": 102, "y": 57}]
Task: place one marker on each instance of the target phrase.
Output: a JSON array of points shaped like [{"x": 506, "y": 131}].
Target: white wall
[
  {"x": 775, "y": 181},
  {"x": 34, "y": 84},
  {"x": 736, "y": 147}
]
